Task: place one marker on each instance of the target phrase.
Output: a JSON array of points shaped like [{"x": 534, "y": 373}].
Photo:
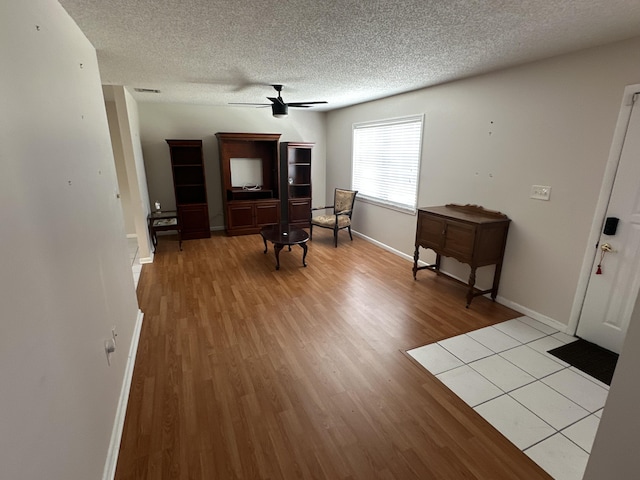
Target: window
[{"x": 386, "y": 161}]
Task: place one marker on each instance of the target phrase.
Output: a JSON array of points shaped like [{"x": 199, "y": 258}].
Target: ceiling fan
[{"x": 278, "y": 106}]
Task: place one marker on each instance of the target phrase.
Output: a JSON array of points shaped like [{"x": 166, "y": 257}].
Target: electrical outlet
[{"x": 540, "y": 192}]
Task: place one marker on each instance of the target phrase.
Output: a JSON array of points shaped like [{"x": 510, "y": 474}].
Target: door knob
[{"x": 605, "y": 247}]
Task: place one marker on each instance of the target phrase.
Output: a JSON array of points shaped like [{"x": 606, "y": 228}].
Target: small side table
[
  {"x": 284, "y": 235},
  {"x": 164, "y": 221}
]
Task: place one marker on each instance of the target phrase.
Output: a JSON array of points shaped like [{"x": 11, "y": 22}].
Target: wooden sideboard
[{"x": 468, "y": 233}]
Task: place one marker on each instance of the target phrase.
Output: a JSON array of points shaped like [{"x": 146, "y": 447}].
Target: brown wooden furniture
[
  {"x": 250, "y": 181},
  {"x": 187, "y": 167},
  {"x": 295, "y": 167},
  {"x": 162, "y": 222},
  {"x": 468, "y": 233},
  {"x": 284, "y": 234}
]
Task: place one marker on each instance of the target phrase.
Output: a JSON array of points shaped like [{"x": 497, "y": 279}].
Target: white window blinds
[{"x": 386, "y": 161}]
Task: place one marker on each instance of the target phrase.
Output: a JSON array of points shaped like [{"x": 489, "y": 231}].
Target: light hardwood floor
[{"x": 248, "y": 372}]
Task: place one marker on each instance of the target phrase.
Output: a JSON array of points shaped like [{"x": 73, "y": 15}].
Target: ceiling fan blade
[
  {"x": 303, "y": 104},
  {"x": 276, "y": 100},
  {"x": 278, "y": 105},
  {"x": 251, "y": 104}
]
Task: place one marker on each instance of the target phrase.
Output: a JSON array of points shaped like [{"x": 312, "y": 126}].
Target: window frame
[{"x": 363, "y": 197}]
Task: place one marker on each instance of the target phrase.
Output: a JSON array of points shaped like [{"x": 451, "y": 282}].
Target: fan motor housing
[{"x": 279, "y": 109}]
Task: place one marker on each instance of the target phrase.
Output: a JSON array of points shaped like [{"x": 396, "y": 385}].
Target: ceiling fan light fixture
[{"x": 279, "y": 110}]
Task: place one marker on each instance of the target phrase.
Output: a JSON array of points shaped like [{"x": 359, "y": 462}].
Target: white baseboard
[
  {"x": 532, "y": 314},
  {"x": 118, "y": 424},
  {"x": 144, "y": 260},
  {"x": 384, "y": 246},
  {"x": 132, "y": 235},
  {"x": 217, "y": 229},
  {"x": 500, "y": 299}
]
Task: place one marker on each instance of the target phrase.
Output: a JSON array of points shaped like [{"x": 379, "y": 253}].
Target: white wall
[
  {"x": 124, "y": 126},
  {"x": 160, "y": 121},
  {"x": 129, "y": 126},
  {"x": 65, "y": 278},
  {"x": 487, "y": 139},
  {"x": 121, "y": 169}
]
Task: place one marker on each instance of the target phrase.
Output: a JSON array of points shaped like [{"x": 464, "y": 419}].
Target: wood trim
[{"x": 476, "y": 210}]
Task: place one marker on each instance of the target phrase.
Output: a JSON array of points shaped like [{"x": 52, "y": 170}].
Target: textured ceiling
[{"x": 213, "y": 52}]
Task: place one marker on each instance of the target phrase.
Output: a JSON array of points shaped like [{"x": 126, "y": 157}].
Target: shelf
[
  {"x": 242, "y": 194},
  {"x": 189, "y": 185},
  {"x": 296, "y": 182},
  {"x": 187, "y": 156}
]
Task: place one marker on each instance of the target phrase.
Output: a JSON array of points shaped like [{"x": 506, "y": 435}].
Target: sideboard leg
[
  {"x": 496, "y": 281},
  {"x": 472, "y": 282},
  {"x": 416, "y": 256}
]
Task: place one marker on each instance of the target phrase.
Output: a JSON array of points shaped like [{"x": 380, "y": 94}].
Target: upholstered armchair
[{"x": 343, "y": 201}]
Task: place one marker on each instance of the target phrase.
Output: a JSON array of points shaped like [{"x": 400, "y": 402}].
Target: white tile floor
[
  {"x": 136, "y": 268},
  {"x": 547, "y": 408}
]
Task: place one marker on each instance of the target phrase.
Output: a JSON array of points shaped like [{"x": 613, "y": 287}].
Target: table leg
[
  {"x": 472, "y": 282},
  {"x": 277, "y": 247},
  {"x": 416, "y": 257},
  {"x": 154, "y": 239},
  {"x": 304, "y": 255},
  {"x": 265, "y": 244},
  {"x": 496, "y": 281}
]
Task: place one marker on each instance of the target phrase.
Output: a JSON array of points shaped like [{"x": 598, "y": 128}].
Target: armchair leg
[
  {"x": 335, "y": 238},
  {"x": 310, "y": 231},
  {"x": 350, "y": 236}
]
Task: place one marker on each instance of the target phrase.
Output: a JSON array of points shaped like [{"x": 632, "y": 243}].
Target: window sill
[{"x": 389, "y": 206}]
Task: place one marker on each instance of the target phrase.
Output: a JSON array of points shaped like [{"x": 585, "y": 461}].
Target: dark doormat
[{"x": 589, "y": 358}]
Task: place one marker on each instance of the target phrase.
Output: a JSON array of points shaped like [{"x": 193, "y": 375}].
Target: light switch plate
[{"x": 540, "y": 192}]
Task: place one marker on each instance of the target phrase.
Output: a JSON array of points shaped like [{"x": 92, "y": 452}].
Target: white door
[{"x": 611, "y": 295}]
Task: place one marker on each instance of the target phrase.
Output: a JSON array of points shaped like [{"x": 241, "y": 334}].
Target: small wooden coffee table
[{"x": 284, "y": 234}]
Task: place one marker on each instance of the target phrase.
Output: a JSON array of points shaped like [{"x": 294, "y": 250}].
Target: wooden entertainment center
[
  {"x": 250, "y": 181},
  {"x": 253, "y": 192}
]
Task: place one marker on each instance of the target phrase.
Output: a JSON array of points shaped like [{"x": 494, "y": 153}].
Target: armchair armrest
[
  {"x": 345, "y": 212},
  {"x": 322, "y": 208}
]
